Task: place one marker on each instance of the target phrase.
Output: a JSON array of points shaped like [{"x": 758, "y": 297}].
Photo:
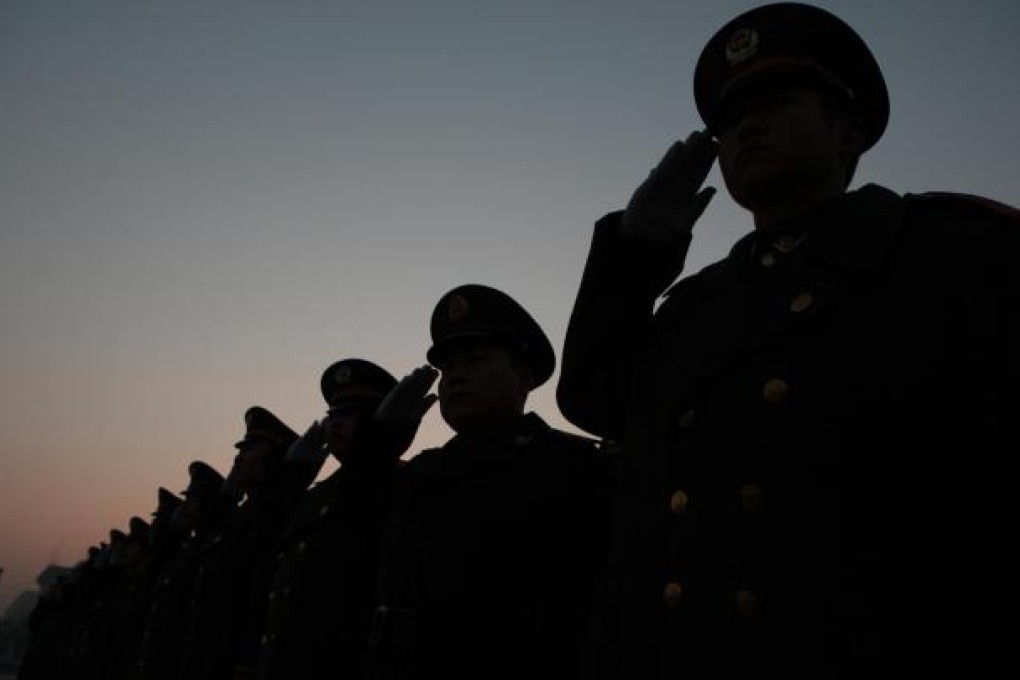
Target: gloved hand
[
  {"x": 667, "y": 204},
  {"x": 401, "y": 411},
  {"x": 311, "y": 446}
]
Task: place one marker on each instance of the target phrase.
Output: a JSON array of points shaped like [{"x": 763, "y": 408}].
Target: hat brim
[{"x": 464, "y": 338}]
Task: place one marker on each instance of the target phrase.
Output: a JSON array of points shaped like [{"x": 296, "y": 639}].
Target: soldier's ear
[
  {"x": 527, "y": 377},
  {"x": 851, "y": 136}
]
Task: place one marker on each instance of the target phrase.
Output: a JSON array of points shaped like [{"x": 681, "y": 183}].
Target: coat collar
[{"x": 853, "y": 231}]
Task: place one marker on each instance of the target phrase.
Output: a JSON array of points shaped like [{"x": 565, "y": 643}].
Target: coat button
[
  {"x": 302, "y": 546},
  {"x": 672, "y": 594},
  {"x": 775, "y": 390},
  {"x": 686, "y": 419},
  {"x": 678, "y": 502},
  {"x": 752, "y": 497},
  {"x": 745, "y": 604},
  {"x": 272, "y": 595},
  {"x": 280, "y": 556},
  {"x": 286, "y": 591},
  {"x": 323, "y": 510},
  {"x": 801, "y": 302},
  {"x": 787, "y": 243},
  {"x": 768, "y": 259},
  {"x": 264, "y": 640}
]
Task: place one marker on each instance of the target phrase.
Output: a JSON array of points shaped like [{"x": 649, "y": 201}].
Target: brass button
[
  {"x": 745, "y": 603},
  {"x": 678, "y": 502},
  {"x": 686, "y": 419},
  {"x": 323, "y": 510},
  {"x": 272, "y": 595},
  {"x": 768, "y": 259},
  {"x": 775, "y": 390},
  {"x": 801, "y": 302},
  {"x": 286, "y": 591},
  {"x": 672, "y": 594},
  {"x": 264, "y": 640},
  {"x": 301, "y": 546},
  {"x": 752, "y": 497},
  {"x": 280, "y": 556}
]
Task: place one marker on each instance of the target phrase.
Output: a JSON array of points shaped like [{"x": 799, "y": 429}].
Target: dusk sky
[{"x": 204, "y": 203}]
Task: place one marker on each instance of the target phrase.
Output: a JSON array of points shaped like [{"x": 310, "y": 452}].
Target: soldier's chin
[{"x": 459, "y": 414}]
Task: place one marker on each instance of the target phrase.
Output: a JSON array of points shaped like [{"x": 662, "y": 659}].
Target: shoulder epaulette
[{"x": 952, "y": 200}]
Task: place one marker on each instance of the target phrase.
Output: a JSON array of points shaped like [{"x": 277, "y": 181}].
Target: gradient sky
[{"x": 203, "y": 203}]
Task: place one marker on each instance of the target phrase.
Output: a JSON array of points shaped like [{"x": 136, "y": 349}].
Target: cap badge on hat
[
  {"x": 457, "y": 308},
  {"x": 742, "y": 45},
  {"x": 342, "y": 375}
]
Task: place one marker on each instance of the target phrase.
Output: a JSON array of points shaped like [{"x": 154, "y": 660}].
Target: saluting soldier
[
  {"x": 227, "y": 602},
  {"x": 786, "y": 510},
  {"x": 498, "y": 536},
  {"x": 158, "y": 544},
  {"x": 166, "y": 625},
  {"x": 319, "y": 605},
  {"x": 107, "y": 601}
]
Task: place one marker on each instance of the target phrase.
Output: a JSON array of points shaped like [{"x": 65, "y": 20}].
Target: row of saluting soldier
[
  {"x": 797, "y": 468},
  {"x": 264, "y": 573}
]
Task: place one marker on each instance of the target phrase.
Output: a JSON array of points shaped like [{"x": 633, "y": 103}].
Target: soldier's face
[
  {"x": 342, "y": 421},
  {"x": 249, "y": 463},
  {"x": 778, "y": 145},
  {"x": 480, "y": 384}
]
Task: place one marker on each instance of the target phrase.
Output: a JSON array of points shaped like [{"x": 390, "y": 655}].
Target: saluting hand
[
  {"x": 666, "y": 206},
  {"x": 403, "y": 408},
  {"x": 310, "y": 446}
]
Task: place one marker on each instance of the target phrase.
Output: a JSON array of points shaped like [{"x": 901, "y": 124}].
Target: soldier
[
  {"x": 319, "y": 604},
  {"x": 779, "y": 412},
  {"x": 157, "y": 545},
  {"x": 497, "y": 537},
  {"x": 228, "y": 597},
  {"x": 166, "y": 624}
]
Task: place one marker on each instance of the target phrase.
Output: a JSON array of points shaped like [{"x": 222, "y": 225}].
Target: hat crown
[
  {"x": 262, "y": 424},
  {"x": 204, "y": 479},
  {"x": 478, "y": 312},
  {"x": 795, "y": 39},
  {"x": 354, "y": 376},
  {"x": 168, "y": 500}
]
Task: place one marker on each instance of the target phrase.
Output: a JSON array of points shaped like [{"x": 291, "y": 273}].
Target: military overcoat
[
  {"x": 815, "y": 436},
  {"x": 491, "y": 556},
  {"x": 322, "y": 585}
]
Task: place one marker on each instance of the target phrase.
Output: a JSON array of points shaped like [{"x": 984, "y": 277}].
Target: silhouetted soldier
[
  {"x": 228, "y": 601},
  {"x": 319, "y": 605},
  {"x": 158, "y": 543},
  {"x": 783, "y": 412},
  {"x": 129, "y": 557},
  {"x": 498, "y": 536},
  {"x": 166, "y": 625},
  {"x": 46, "y": 656},
  {"x": 106, "y": 602}
]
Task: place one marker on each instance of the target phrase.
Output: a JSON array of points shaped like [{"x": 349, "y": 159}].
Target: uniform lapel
[{"x": 734, "y": 308}]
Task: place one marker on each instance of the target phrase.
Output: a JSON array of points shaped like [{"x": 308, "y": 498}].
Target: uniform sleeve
[{"x": 609, "y": 321}]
